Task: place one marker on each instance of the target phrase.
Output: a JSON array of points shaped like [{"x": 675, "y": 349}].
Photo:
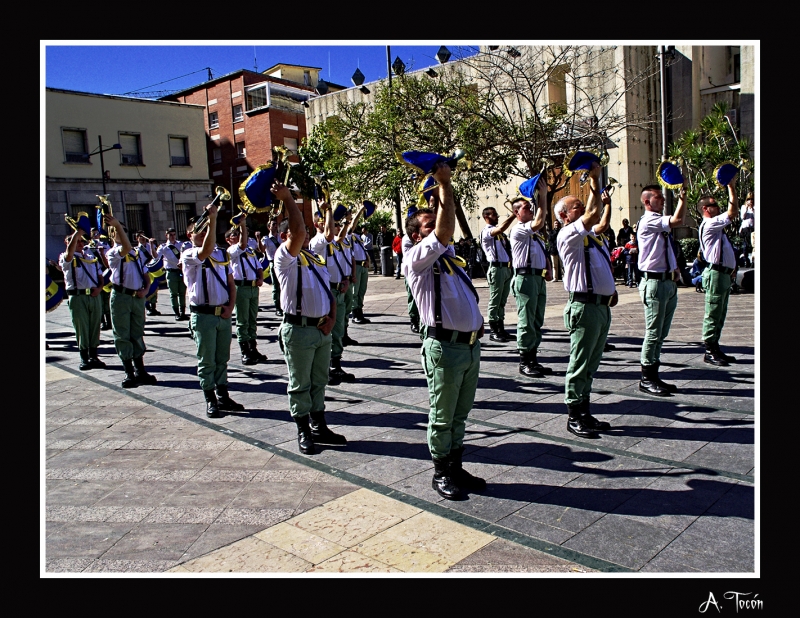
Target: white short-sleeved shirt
[
  {"x": 171, "y": 253},
  {"x": 186, "y": 244},
  {"x": 406, "y": 243},
  {"x": 347, "y": 255},
  {"x": 716, "y": 247},
  {"x": 271, "y": 244},
  {"x": 125, "y": 271},
  {"x": 459, "y": 307},
  {"x": 367, "y": 240},
  {"x": 193, "y": 274},
  {"x": 655, "y": 252},
  {"x": 357, "y": 247},
  {"x": 493, "y": 246},
  {"x": 527, "y": 248},
  {"x": 570, "y": 242},
  {"x": 244, "y": 263},
  {"x": 84, "y": 272},
  {"x": 315, "y": 301}
]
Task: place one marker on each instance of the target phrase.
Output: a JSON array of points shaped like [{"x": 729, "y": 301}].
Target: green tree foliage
[{"x": 699, "y": 151}]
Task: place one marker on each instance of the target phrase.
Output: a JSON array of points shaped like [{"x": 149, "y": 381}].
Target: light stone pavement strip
[{"x": 139, "y": 481}]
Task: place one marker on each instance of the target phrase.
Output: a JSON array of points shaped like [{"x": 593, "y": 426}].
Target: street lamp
[
  {"x": 358, "y": 80},
  {"x": 100, "y": 150}
]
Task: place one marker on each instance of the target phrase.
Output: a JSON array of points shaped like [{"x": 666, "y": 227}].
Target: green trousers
[
  {"x": 338, "y": 329},
  {"x": 276, "y": 292},
  {"x": 413, "y": 312},
  {"x": 212, "y": 336},
  {"x": 246, "y": 312},
  {"x": 308, "y": 355},
  {"x": 177, "y": 291},
  {"x": 531, "y": 295},
  {"x": 588, "y": 326},
  {"x": 451, "y": 370},
  {"x": 718, "y": 290},
  {"x": 106, "y": 296},
  {"x": 660, "y": 298},
  {"x": 127, "y": 324},
  {"x": 349, "y": 301},
  {"x": 362, "y": 276},
  {"x": 499, "y": 278},
  {"x": 86, "y": 313}
]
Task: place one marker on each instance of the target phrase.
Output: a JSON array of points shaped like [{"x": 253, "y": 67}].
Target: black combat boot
[
  {"x": 525, "y": 366},
  {"x": 346, "y": 340},
  {"x": 576, "y": 423},
  {"x": 337, "y": 375},
  {"x": 671, "y": 388},
  {"x": 359, "y": 317},
  {"x": 85, "y": 363},
  {"x": 649, "y": 382},
  {"x": 142, "y": 377},
  {"x": 461, "y": 477},
  {"x": 537, "y": 365},
  {"x": 177, "y": 313},
  {"x": 415, "y": 326},
  {"x": 304, "y": 440},
  {"x": 496, "y": 335},
  {"x": 130, "y": 380},
  {"x": 725, "y": 357},
  {"x": 247, "y": 357},
  {"x": 224, "y": 400},
  {"x": 443, "y": 481},
  {"x": 95, "y": 362},
  {"x": 321, "y": 433},
  {"x": 590, "y": 421},
  {"x": 506, "y": 335},
  {"x": 260, "y": 358},
  {"x": 713, "y": 355},
  {"x": 212, "y": 407}
]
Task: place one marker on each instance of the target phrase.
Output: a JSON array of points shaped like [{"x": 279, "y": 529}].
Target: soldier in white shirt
[
  {"x": 452, "y": 326},
  {"x": 83, "y": 282},
  {"x": 271, "y": 244},
  {"x": 248, "y": 275},
  {"x": 309, "y": 317},
  {"x": 531, "y": 269},
  {"x": 361, "y": 272},
  {"x": 130, "y": 284},
  {"x": 658, "y": 263},
  {"x": 170, "y": 251},
  {"x": 721, "y": 257},
  {"x": 496, "y": 247},
  {"x": 326, "y": 246},
  {"x": 589, "y": 279},
  {"x": 212, "y": 297}
]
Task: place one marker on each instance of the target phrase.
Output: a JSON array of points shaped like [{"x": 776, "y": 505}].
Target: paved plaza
[{"x": 140, "y": 481}]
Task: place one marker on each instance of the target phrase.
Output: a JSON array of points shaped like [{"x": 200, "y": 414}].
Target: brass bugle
[{"x": 222, "y": 195}]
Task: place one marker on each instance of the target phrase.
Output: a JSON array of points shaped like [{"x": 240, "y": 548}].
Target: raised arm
[
  {"x": 297, "y": 227},
  {"x": 605, "y": 218},
  {"x": 242, "y": 234},
  {"x": 677, "y": 217},
  {"x": 73, "y": 243},
  {"x": 733, "y": 200},
  {"x": 499, "y": 229},
  {"x": 446, "y": 213},
  {"x": 209, "y": 242},
  {"x": 541, "y": 211},
  {"x": 121, "y": 237},
  {"x": 592, "y": 214}
]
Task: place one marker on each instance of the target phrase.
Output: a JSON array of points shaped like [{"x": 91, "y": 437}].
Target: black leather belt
[
  {"x": 595, "y": 299},
  {"x": 720, "y": 268},
  {"x": 659, "y": 276},
  {"x": 361, "y": 262},
  {"x": 206, "y": 309},
  {"x": 445, "y": 334},
  {"x": 123, "y": 290},
  {"x": 336, "y": 287},
  {"x": 173, "y": 270},
  {"x": 531, "y": 271},
  {"x": 87, "y": 291},
  {"x": 503, "y": 264},
  {"x": 248, "y": 283},
  {"x": 301, "y": 320}
]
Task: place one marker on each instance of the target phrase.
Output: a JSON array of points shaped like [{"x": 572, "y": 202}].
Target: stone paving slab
[{"x": 140, "y": 481}]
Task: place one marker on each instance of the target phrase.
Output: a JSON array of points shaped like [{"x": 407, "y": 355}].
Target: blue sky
[{"x": 116, "y": 67}]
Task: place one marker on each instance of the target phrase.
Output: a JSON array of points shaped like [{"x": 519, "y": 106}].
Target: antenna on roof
[
  {"x": 255, "y": 60},
  {"x": 209, "y": 74}
]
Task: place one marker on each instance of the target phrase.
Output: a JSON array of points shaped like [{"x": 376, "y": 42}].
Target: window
[
  {"x": 178, "y": 150},
  {"x": 290, "y": 143},
  {"x": 183, "y": 212},
  {"x": 557, "y": 89},
  {"x": 213, "y": 120},
  {"x": 241, "y": 152},
  {"x": 257, "y": 97},
  {"x": 131, "y": 152},
  {"x": 75, "y": 150},
  {"x": 307, "y": 78},
  {"x": 216, "y": 153},
  {"x": 137, "y": 217},
  {"x": 238, "y": 114}
]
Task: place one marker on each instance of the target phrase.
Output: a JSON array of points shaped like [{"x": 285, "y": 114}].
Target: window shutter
[
  {"x": 130, "y": 144},
  {"x": 74, "y": 142},
  {"x": 176, "y": 147}
]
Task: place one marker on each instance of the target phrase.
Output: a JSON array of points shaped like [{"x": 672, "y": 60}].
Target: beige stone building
[
  {"x": 618, "y": 82},
  {"x": 156, "y": 178}
]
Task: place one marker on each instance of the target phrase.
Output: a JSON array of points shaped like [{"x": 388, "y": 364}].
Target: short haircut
[
  {"x": 487, "y": 210},
  {"x": 234, "y": 231},
  {"x": 704, "y": 200},
  {"x": 283, "y": 227},
  {"x": 625, "y": 222},
  {"x": 171, "y": 231},
  {"x": 414, "y": 224},
  {"x": 647, "y": 191},
  {"x": 560, "y": 210},
  {"x": 518, "y": 203}
]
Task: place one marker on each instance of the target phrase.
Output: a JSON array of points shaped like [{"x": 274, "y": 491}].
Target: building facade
[{"x": 156, "y": 178}]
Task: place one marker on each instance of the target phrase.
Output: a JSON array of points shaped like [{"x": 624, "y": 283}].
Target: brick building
[{"x": 246, "y": 115}]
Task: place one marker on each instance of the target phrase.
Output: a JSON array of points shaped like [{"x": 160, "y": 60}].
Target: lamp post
[{"x": 100, "y": 150}]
